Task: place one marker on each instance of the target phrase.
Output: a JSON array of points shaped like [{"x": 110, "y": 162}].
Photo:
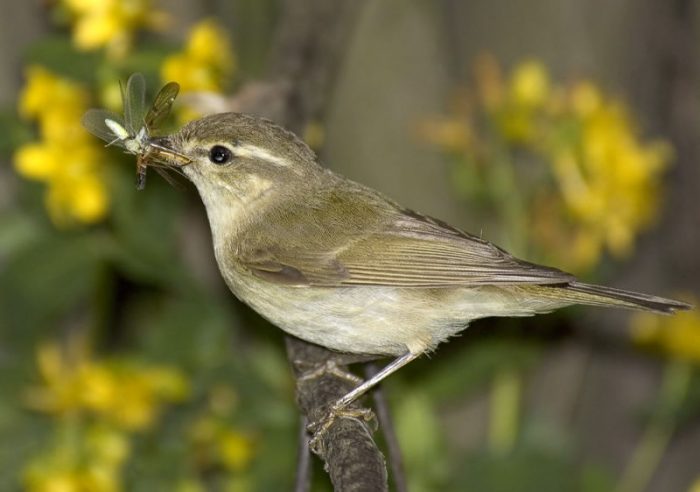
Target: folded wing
[{"x": 373, "y": 242}]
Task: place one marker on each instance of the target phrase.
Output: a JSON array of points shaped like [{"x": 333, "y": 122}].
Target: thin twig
[
  {"x": 302, "y": 481},
  {"x": 386, "y": 424},
  {"x": 345, "y": 443}
]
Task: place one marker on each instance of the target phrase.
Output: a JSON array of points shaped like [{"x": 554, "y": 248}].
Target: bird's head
[{"x": 239, "y": 162}]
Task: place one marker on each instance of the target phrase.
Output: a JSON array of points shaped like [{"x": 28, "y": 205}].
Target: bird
[{"x": 338, "y": 264}]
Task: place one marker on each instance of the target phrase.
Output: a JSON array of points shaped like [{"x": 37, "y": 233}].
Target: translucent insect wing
[
  {"x": 162, "y": 104},
  {"x": 134, "y": 100},
  {"x": 94, "y": 122}
]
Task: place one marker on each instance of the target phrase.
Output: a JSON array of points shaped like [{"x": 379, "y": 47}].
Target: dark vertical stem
[
  {"x": 302, "y": 481},
  {"x": 386, "y": 424},
  {"x": 352, "y": 458}
]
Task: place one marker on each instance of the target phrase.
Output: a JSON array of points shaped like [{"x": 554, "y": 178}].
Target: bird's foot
[
  {"x": 320, "y": 427},
  {"x": 329, "y": 367}
]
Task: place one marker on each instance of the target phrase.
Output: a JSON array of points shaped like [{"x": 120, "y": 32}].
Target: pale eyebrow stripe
[{"x": 252, "y": 151}]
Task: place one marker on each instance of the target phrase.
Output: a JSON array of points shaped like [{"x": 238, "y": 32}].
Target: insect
[{"x": 133, "y": 131}]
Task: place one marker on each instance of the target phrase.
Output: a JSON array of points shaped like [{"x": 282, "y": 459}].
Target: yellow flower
[
  {"x": 37, "y": 481},
  {"x": 216, "y": 440},
  {"x": 235, "y": 450},
  {"x": 134, "y": 395},
  {"x": 76, "y": 197},
  {"x": 128, "y": 395},
  {"x": 608, "y": 178},
  {"x": 529, "y": 85},
  {"x": 37, "y": 161},
  {"x": 621, "y": 176},
  {"x": 518, "y": 118},
  {"x": 88, "y": 200},
  {"x": 206, "y": 63},
  {"x": 45, "y": 93},
  {"x": 585, "y": 98},
  {"x": 111, "y": 23},
  {"x": 59, "y": 394},
  {"x": 677, "y": 336},
  {"x": 103, "y": 400},
  {"x": 601, "y": 182},
  {"x": 66, "y": 158},
  {"x": 209, "y": 44},
  {"x": 107, "y": 445},
  {"x": 111, "y": 96},
  {"x": 517, "y": 125},
  {"x": 78, "y": 463}
]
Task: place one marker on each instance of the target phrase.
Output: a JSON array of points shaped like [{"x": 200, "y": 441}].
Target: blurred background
[{"x": 566, "y": 132}]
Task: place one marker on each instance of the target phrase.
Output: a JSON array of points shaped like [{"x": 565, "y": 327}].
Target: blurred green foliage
[{"x": 82, "y": 305}]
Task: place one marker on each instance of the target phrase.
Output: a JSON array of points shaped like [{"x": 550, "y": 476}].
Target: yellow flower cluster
[
  {"x": 601, "y": 185},
  {"x": 92, "y": 463},
  {"x": 517, "y": 107},
  {"x": 217, "y": 443},
  {"x": 66, "y": 158},
  {"x": 99, "y": 402},
  {"x": 205, "y": 64},
  {"x": 126, "y": 395},
  {"x": 677, "y": 336},
  {"x": 111, "y": 23},
  {"x": 609, "y": 180},
  {"x": 214, "y": 440}
]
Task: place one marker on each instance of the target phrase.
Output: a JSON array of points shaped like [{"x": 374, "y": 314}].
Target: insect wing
[
  {"x": 134, "y": 100},
  {"x": 162, "y": 104},
  {"x": 94, "y": 121}
]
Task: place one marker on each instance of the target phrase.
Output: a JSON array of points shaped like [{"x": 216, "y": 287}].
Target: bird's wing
[
  {"x": 417, "y": 251},
  {"x": 380, "y": 244}
]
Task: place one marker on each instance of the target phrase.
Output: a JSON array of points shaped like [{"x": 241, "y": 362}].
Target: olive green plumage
[{"x": 338, "y": 264}]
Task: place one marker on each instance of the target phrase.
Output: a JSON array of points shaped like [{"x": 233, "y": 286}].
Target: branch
[
  {"x": 352, "y": 458},
  {"x": 311, "y": 39}
]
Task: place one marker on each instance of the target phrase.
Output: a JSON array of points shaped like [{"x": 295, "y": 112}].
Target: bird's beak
[{"x": 162, "y": 149}]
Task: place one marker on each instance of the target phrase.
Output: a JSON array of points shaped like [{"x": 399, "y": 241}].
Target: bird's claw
[
  {"x": 318, "y": 428},
  {"x": 329, "y": 367}
]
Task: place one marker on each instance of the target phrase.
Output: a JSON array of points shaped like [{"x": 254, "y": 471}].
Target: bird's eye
[{"x": 219, "y": 154}]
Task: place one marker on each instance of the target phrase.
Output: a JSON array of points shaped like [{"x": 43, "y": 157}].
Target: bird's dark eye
[{"x": 219, "y": 154}]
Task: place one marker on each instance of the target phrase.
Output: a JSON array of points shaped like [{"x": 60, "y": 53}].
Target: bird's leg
[
  {"x": 394, "y": 366},
  {"x": 338, "y": 408},
  {"x": 381, "y": 407}
]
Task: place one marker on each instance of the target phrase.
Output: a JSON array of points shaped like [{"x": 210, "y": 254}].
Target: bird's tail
[{"x": 598, "y": 295}]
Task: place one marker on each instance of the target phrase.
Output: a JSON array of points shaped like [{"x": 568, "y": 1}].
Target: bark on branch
[
  {"x": 311, "y": 40},
  {"x": 352, "y": 459}
]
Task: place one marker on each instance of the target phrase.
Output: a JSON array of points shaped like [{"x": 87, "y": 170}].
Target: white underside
[{"x": 375, "y": 319}]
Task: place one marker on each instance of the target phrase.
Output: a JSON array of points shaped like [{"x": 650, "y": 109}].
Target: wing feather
[{"x": 374, "y": 242}]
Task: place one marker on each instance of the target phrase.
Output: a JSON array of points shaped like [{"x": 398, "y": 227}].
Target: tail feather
[{"x": 598, "y": 295}]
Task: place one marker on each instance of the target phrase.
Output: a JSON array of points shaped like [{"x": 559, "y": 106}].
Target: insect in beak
[
  {"x": 161, "y": 149},
  {"x": 133, "y": 130}
]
